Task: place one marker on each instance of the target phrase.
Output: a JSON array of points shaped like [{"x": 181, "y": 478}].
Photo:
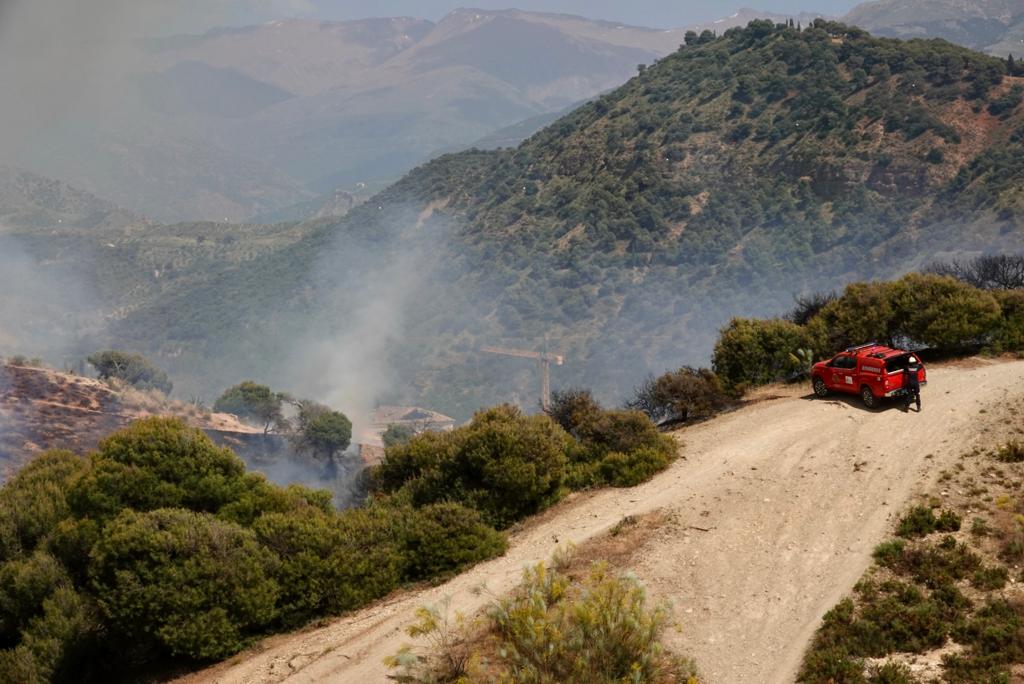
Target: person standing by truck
[{"x": 911, "y": 384}]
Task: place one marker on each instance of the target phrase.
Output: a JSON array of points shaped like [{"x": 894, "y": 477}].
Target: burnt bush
[{"x": 806, "y": 307}]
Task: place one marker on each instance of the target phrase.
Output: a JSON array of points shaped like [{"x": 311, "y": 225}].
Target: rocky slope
[{"x": 42, "y": 409}]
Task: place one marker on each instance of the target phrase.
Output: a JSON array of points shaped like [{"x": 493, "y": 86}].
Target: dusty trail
[{"x": 793, "y": 492}]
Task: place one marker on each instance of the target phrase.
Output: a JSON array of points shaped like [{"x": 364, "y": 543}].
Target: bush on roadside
[
  {"x": 598, "y": 630},
  {"x": 679, "y": 396},
  {"x": 443, "y": 538},
  {"x": 1011, "y": 452},
  {"x": 921, "y": 521},
  {"x": 503, "y": 464},
  {"x": 618, "y": 448},
  {"x": 758, "y": 352}
]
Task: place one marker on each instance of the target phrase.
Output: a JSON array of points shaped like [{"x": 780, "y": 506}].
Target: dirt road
[{"x": 777, "y": 508}]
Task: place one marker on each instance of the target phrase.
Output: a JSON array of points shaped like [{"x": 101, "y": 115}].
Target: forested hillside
[{"x": 718, "y": 182}]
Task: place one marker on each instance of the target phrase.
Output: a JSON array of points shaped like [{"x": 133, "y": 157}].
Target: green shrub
[
  {"x": 34, "y": 501},
  {"x": 943, "y": 312},
  {"x": 328, "y": 563},
  {"x": 619, "y": 448},
  {"x": 158, "y": 463},
  {"x": 24, "y": 585},
  {"x": 932, "y": 566},
  {"x": 196, "y": 586},
  {"x": 55, "y": 643},
  {"x": 752, "y": 352},
  {"x": 397, "y": 434},
  {"x": 990, "y": 578},
  {"x": 573, "y": 409},
  {"x": 864, "y": 312},
  {"x": 994, "y": 638},
  {"x": 934, "y": 310},
  {"x": 634, "y": 467},
  {"x": 600, "y": 630},
  {"x": 894, "y": 618},
  {"x": 503, "y": 464},
  {"x": 889, "y": 552},
  {"x": 682, "y": 395},
  {"x": 892, "y": 673},
  {"x": 831, "y": 666},
  {"x": 1011, "y": 452},
  {"x": 322, "y": 431},
  {"x": 134, "y": 369},
  {"x": 921, "y": 521},
  {"x": 445, "y": 538}
]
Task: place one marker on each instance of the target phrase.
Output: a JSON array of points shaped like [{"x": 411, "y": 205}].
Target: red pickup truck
[{"x": 871, "y": 370}]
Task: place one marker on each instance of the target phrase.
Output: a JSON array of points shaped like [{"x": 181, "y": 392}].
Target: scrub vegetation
[
  {"x": 940, "y": 603},
  {"x": 592, "y": 627},
  {"x": 160, "y": 548}
]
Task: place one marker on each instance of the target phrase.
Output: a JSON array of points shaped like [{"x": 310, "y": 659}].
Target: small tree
[
  {"x": 254, "y": 402},
  {"x": 572, "y": 409},
  {"x": 321, "y": 430},
  {"x": 134, "y": 369}
]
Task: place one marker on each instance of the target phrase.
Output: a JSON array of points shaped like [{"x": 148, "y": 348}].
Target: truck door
[{"x": 844, "y": 371}]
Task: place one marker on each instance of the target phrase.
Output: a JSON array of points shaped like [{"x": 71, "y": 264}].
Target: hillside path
[{"x": 777, "y": 507}]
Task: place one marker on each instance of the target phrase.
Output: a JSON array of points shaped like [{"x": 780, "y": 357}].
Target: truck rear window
[{"x": 897, "y": 363}]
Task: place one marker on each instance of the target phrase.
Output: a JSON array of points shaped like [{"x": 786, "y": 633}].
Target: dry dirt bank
[{"x": 777, "y": 508}]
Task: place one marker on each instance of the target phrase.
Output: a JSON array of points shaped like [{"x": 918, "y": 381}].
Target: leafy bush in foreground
[
  {"x": 599, "y": 630},
  {"x": 193, "y": 584},
  {"x": 160, "y": 546}
]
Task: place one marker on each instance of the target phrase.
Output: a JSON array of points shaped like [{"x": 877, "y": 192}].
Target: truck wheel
[
  {"x": 868, "y": 396},
  {"x": 820, "y": 388}
]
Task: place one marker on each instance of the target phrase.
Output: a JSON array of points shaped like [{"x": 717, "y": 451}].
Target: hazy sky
[{"x": 655, "y": 13}]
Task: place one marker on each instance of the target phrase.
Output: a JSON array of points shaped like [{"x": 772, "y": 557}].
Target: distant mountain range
[
  {"x": 247, "y": 121},
  {"x": 992, "y": 26}
]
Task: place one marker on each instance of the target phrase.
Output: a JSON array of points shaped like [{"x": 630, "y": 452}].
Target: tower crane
[{"x": 544, "y": 361}]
